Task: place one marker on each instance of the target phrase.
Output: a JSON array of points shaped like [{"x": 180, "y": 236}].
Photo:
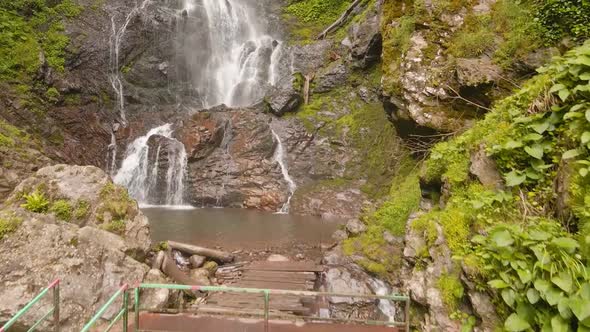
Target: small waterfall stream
[
  {"x": 117, "y": 34},
  {"x": 141, "y": 179},
  {"x": 281, "y": 158}
]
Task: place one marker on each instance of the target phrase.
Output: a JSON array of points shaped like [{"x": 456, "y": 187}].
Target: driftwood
[
  {"x": 306, "y": 87},
  {"x": 216, "y": 255},
  {"x": 341, "y": 20}
]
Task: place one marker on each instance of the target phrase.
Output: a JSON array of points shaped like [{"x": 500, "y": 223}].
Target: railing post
[
  {"x": 125, "y": 310},
  {"x": 266, "y": 309},
  {"x": 136, "y": 309},
  {"x": 407, "y": 314},
  {"x": 56, "y": 307}
]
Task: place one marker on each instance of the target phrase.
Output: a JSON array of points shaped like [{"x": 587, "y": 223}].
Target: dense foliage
[
  {"x": 29, "y": 28},
  {"x": 532, "y": 238}
]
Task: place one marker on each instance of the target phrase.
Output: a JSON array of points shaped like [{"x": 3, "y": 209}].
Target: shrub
[
  {"x": 116, "y": 226},
  {"x": 62, "y": 209},
  {"x": 451, "y": 290},
  {"x": 8, "y": 224},
  {"x": 36, "y": 202}
]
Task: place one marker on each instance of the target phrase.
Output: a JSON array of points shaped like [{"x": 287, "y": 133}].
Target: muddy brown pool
[{"x": 238, "y": 228}]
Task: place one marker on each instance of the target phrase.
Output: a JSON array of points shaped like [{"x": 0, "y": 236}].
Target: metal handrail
[
  {"x": 268, "y": 292},
  {"x": 54, "y": 310},
  {"x": 123, "y": 313}
]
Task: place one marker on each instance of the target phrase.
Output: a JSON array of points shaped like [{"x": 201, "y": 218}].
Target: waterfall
[
  {"x": 240, "y": 58},
  {"x": 115, "y": 40},
  {"x": 141, "y": 179},
  {"x": 281, "y": 158}
]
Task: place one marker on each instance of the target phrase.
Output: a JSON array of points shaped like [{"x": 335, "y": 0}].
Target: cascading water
[
  {"x": 241, "y": 59},
  {"x": 281, "y": 158},
  {"x": 222, "y": 56},
  {"x": 117, "y": 34},
  {"x": 141, "y": 179}
]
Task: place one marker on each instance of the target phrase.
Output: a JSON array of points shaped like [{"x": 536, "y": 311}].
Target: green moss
[
  {"x": 116, "y": 202},
  {"x": 52, "y": 95},
  {"x": 475, "y": 38},
  {"x": 62, "y": 209},
  {"x": 310, "y": 17},
  {"x": 427, "y": 227},
  {"x": 36, "y": 202},
  {"x": 8, "y": 224},
  {"x": 451, "y": 290},
  {"x": 116, "y": 226},
  {"x": 82, "y": 209}
]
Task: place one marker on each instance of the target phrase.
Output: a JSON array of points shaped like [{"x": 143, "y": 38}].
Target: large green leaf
[
  {"x": 553, "y": 296},
  {"x": 588, "y": 115},
  {"x": 540, "y": 127},
  {"x": 516, "y": 323},
  {"x": 585, "y": 137},
  {"x": 557, "y": 87},
  {"x": 509, "y": 296},
  {"x": 566, "y": 243},
  {"x": 563, "y": 94},
  {"x": 498, "y": 284},
  {"x": 558, "y": 324},
  {"x": 524, "y": 275},
  {"x": 535, "y": 151},
  {"x": 564, "y": 308},
  {"x": 569, "y": 154},
  {"x": 502, "y": 238},
  {"x": 532, "y": 295},
  {"x": 564, "y": 281},
  {"x": 580, "y": 307},
  {"x": 514, "y": 179}
]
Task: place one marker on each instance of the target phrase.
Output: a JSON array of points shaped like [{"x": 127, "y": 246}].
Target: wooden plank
[
  {"x": 278, "y": 280},
  {"x": 281, "y": 274},
  {"x": 285, "y": 266}
]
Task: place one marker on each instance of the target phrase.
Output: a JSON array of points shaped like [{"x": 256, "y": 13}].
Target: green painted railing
[
  {"x": 123, "y": 313},
  {"x": 266, "y": 293},
  {"x": 53, "y": 311}
]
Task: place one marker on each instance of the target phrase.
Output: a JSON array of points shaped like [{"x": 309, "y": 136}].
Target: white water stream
[
  {"x": 141, "y": 179},
  {"x": 280, "y": 157},
  {"x": 117, "y": 34}
]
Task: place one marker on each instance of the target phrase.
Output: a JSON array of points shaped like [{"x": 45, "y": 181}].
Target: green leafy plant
[
  {"x": 539, "y": 274},
  {"x": 82, "y": 209},
  {"x": 36, "y": 202}
]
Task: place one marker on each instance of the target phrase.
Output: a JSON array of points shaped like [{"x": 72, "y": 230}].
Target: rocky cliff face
[{"x": 74, "y": 224}]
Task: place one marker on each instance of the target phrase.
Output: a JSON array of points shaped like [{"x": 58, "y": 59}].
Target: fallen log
[
  {"x": 341, "y": 20},
  {"x": 173, "y": 272},
  {"x": 216, "y": 255}
]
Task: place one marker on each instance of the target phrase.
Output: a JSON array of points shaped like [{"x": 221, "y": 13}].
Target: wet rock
[
  {"x": 287, "y": 96},
  {"x": 475, "y": 72},
  {"x": 277, "y": 258},
  {"x": 366, "y": 41},
  {"x": 485, "y": 169},
  {"x": 485, "y": 310},
  {"x": 201, "y": 276},
  {"x": 340, "y": 280},
  {"x": 355, "y": 227},
  {"x": 333, "y": 76},
  {"x": 340, "y": 235},
  {"x": 196, "y": 261},
  {"x": 231, "y": 160},
  {"x": 157, "y": 298}
]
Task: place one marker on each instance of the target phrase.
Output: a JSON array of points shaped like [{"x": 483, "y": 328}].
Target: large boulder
[
  {"x": 287, "y": 96},
  {"x": 365, "y": 41},
  {"x": 91, "y": 264},
  {"x": 86, "y": 196},
  {"x": 70, "y": 223}
]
